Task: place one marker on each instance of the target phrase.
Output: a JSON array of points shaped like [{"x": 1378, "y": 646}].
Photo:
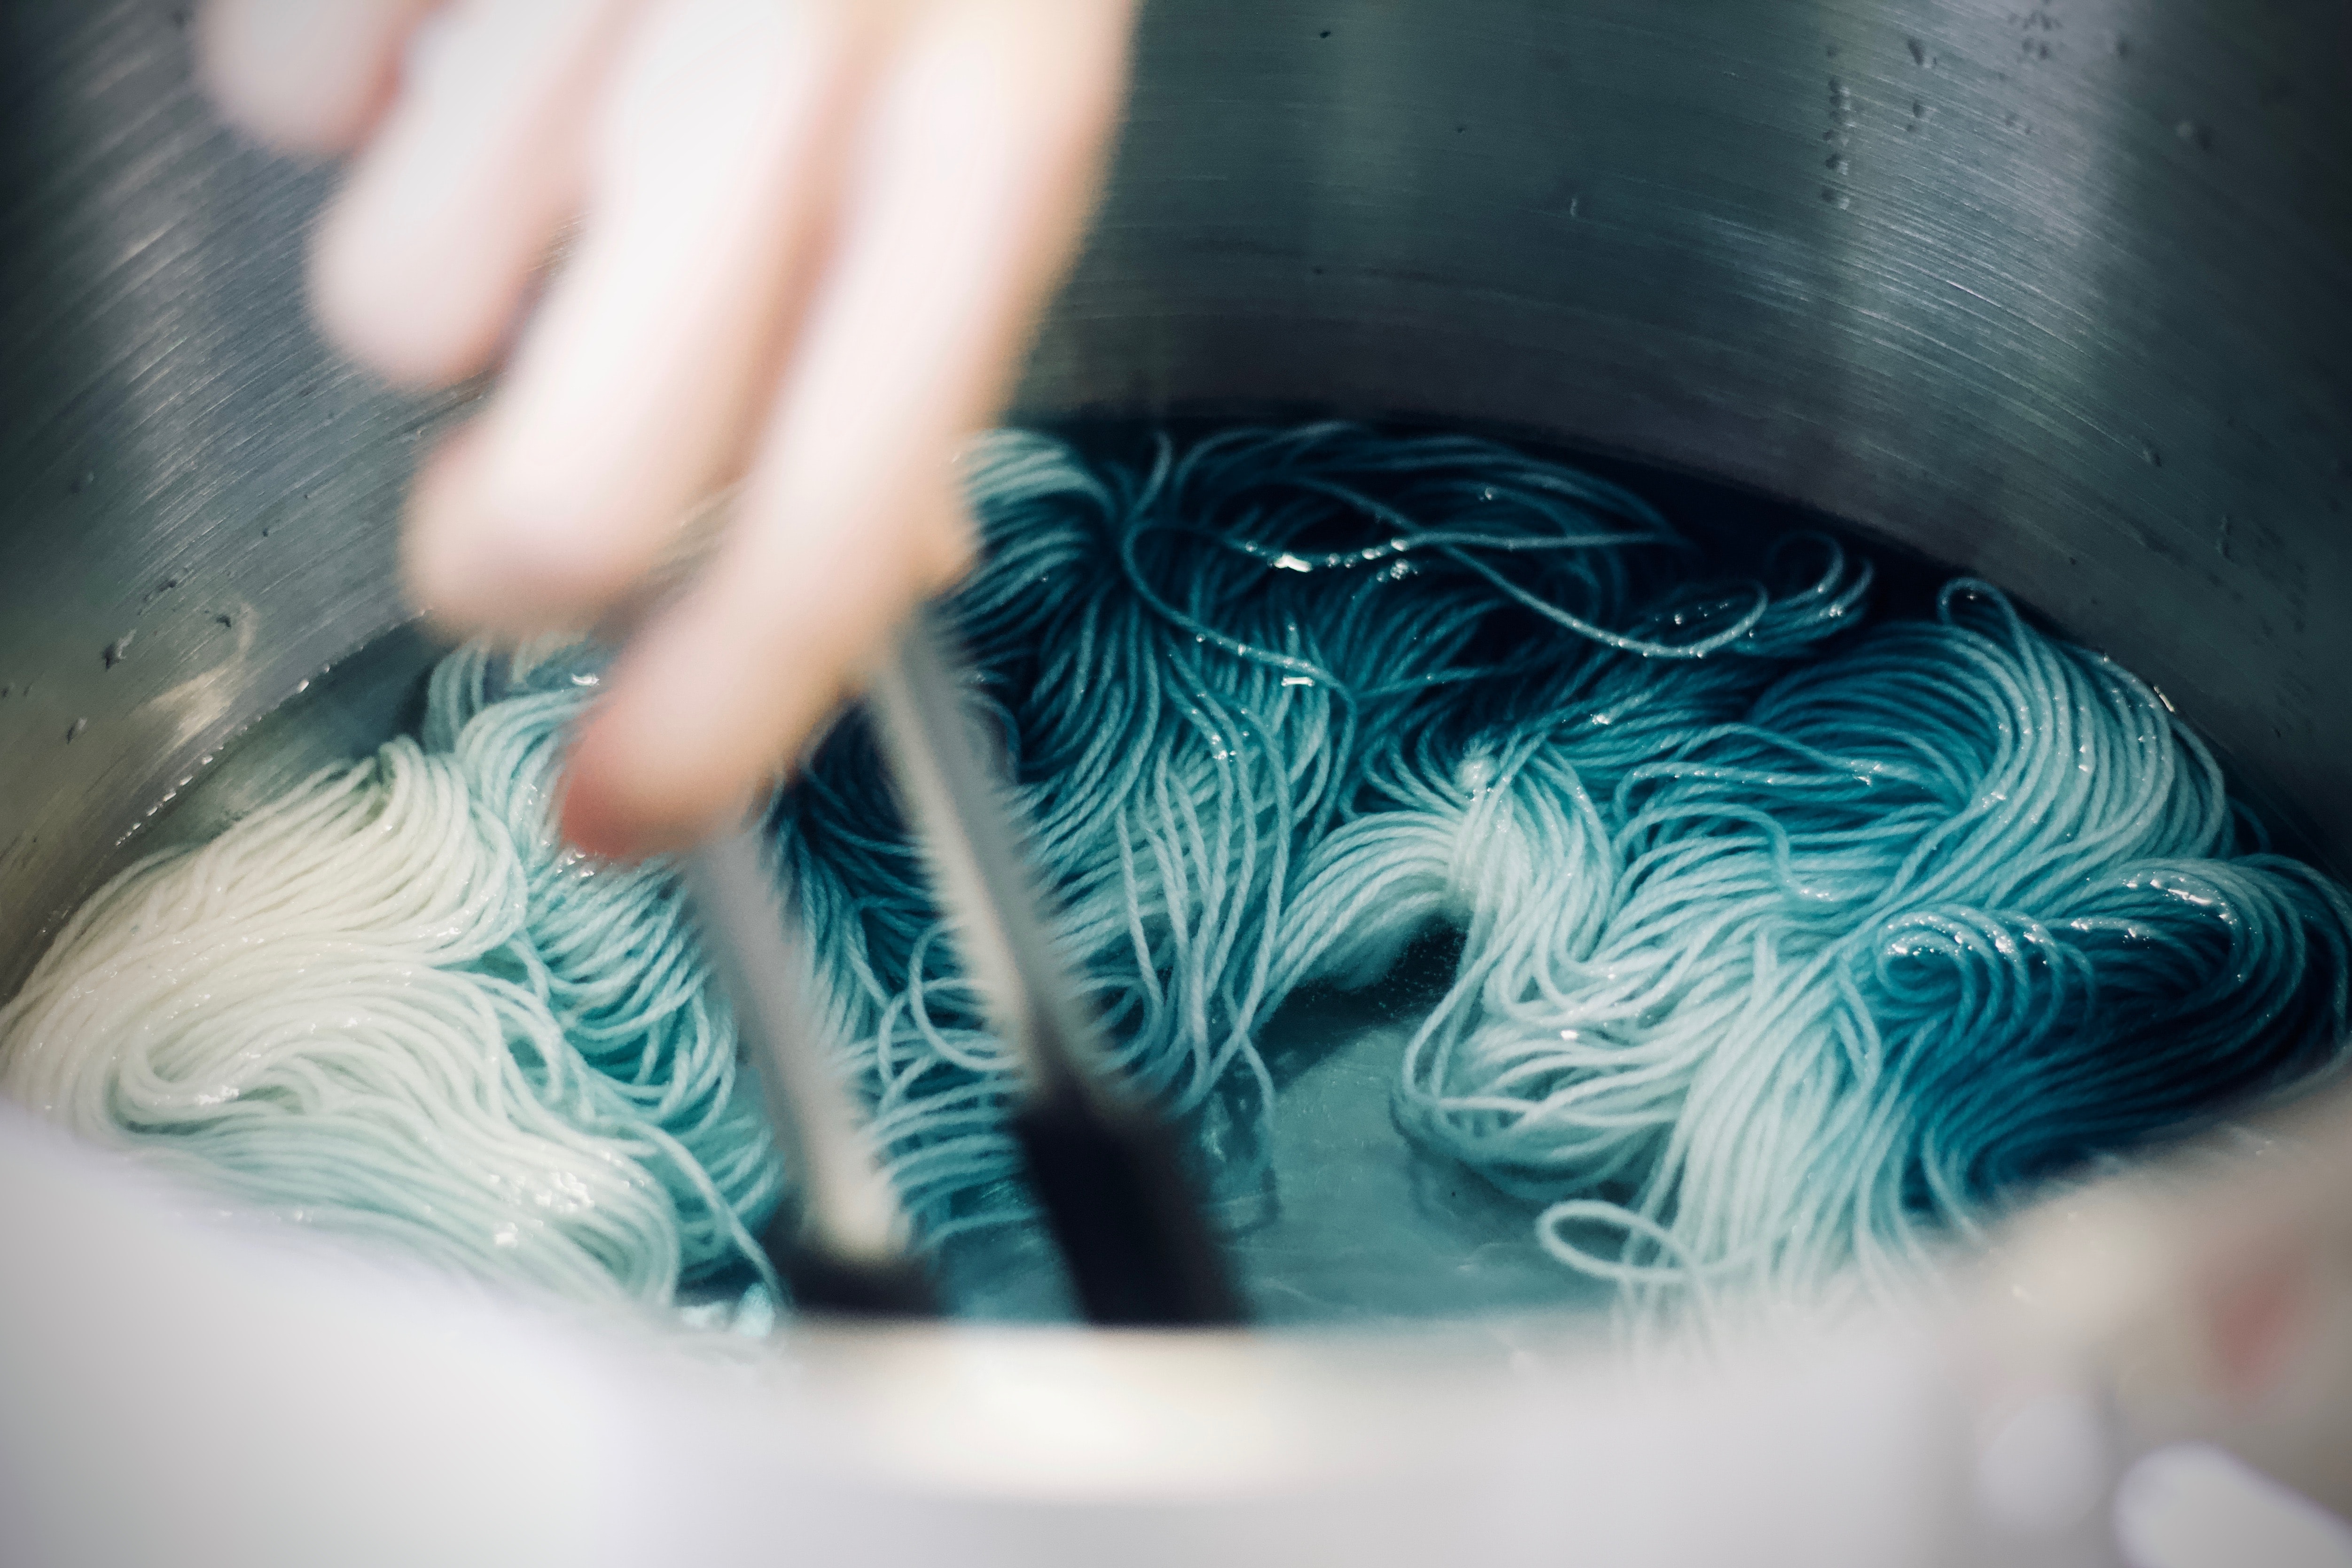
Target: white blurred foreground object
[
  {"x": 2191, "y": 1505},
  {"x": 180, "y": 1388},
  {"x": 812, "y": 238},
  {"x": 181, "y": 1393}
]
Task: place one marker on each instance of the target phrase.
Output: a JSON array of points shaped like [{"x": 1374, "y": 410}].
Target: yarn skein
[{"x": 1796, "y": 937}]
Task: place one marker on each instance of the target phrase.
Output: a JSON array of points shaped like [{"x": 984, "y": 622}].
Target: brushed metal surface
[
  {"x": 194, "y": 494},
  {"x": 2059, "y": 294}
]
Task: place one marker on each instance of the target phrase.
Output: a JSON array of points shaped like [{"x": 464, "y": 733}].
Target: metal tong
[{"x": 1107, "y": 1172}]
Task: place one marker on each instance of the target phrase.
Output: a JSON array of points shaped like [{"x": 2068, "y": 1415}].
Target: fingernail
[
  {"x": 602, "y": 814},
  {"x": 589, "y": 824}
]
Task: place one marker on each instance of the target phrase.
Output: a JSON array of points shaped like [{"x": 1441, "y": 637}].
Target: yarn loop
[{"x": 1795, "y": 936}]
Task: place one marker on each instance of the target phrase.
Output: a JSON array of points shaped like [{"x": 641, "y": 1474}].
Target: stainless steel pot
[{"x": 2059, "y": 294}]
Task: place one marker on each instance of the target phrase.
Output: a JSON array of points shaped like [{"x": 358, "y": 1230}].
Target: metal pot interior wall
[{"x": 2060, "y": 295}]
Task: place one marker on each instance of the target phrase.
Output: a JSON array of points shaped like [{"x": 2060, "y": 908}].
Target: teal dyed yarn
[
  {"x": 1795, "y": 937},
  {"x": 614, "y": 952},
  {"x": 1955, "y": 910},
  {"x": 1793, "y": 942},
  {"x": 1210, "y": 671}
]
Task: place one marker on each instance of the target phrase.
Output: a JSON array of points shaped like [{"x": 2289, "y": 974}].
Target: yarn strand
[{"x": 1798, "y": 939}]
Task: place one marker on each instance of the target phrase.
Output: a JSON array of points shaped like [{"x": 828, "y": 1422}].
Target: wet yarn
[
  {"x": 1957, "y": 909},
  {"x": 1208, "y": 669},
  {"x": 390, "y": 1005},
  {"x": 1795, "y": 936}
]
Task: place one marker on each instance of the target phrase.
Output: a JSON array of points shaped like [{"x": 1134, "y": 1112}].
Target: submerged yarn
[
  {"x": 1956, "y": 909},
  {"x": 1794, "y": 936},
  {"x": 390, "y": 1005}
]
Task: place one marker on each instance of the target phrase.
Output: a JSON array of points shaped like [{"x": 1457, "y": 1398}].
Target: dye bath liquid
[{"x": 1349, "y": 1219}]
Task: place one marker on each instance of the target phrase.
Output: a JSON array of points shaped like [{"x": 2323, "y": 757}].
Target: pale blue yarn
[
  {"x": 1282, "y": 703},
  {"x": 1211, "y": 667},
  {"x": 1794, "y": 936},
  {"x": 612, "y": 953}
]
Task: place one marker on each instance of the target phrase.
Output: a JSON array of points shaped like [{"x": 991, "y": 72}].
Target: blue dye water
[{"x": 1794, "y": 935}]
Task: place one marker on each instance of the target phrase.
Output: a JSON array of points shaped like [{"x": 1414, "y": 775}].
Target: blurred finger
[
  {"x": 650, "y": 356},
  {"x": 623, "y": 802},
  {"x": 968, "y": 193},
  {"x": 426, "y": 255},
  {"x": 304, "y": 76}
]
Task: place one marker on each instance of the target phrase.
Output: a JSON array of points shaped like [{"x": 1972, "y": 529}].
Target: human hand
[{"x": 813, "y": 235}]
